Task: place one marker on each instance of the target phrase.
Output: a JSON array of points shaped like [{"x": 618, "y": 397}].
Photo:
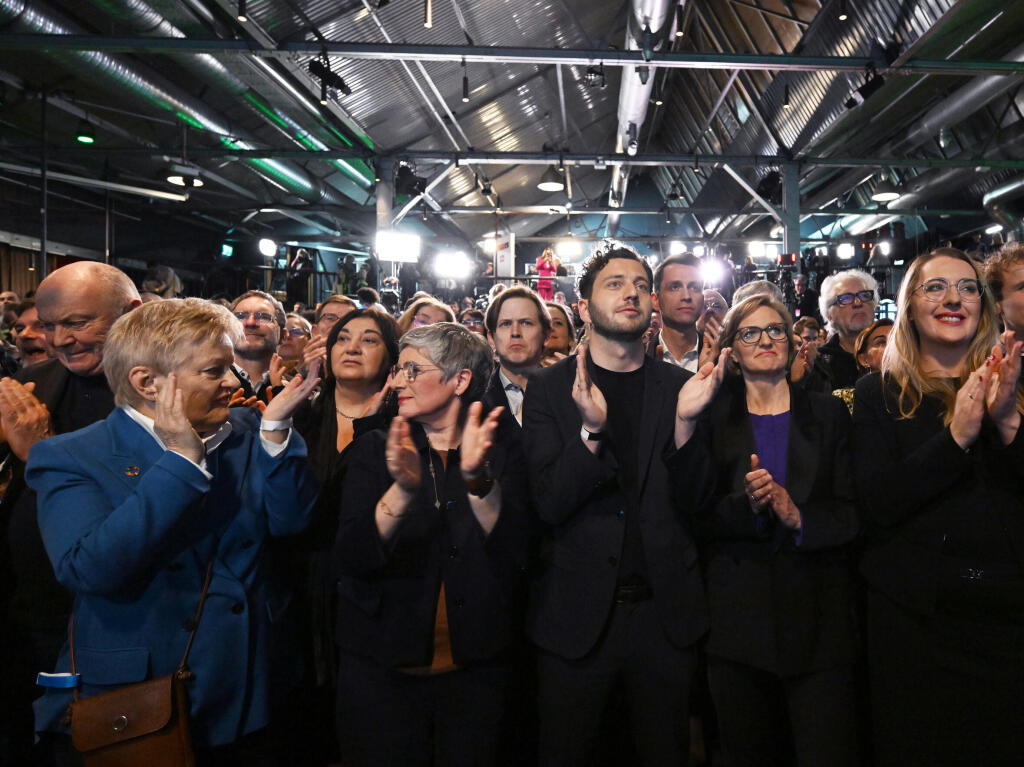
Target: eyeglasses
[
  {"x": 260, "y": 317},
  {"x": 328, "y": 318},
  {"x": 411, "y": 370},
  {"x": 845, "y": 299},
  {"x": 935, "y": 289},
  {"x": 751, "y": 334},
  {"x": 296, "y": 332},
  {"x": 473, "y": 323}
]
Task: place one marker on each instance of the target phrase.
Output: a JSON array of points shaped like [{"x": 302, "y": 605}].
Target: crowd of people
[{"x": 649, "y": 528}]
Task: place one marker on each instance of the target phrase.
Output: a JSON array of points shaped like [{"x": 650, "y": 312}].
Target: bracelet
[
  {"x": 388, "y": 511},
  {"x": 284, "y": 425},
  {"x": 591, "y": 436}
]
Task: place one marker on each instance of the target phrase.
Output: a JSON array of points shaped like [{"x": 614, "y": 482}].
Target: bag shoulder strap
[{"x": 182, "y": 671}]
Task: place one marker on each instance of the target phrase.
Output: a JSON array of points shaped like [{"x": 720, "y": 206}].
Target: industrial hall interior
[{"x": 512, "y": 383}]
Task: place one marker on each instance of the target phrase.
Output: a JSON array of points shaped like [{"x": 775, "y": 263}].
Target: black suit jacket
[
  {"x": 577, "y": 497},
  {"x": 777, "y": 605},
  {"x": 388, "y": 590}
]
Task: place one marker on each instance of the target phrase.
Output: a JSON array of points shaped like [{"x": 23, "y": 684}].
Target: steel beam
[
  {"x": 504, "y": 55},
  {"x": 560, "y": 210}
]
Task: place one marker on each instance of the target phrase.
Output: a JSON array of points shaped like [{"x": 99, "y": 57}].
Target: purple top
[{"x": 771, "y": 436}]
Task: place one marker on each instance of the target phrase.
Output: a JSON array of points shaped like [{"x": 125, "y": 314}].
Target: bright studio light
[
  {"x": 845, "y": 250},
  {"x": 886, "y": 247},
  {"x": 699, "y": 251},
  {"x": 267, "y": 247},
  {"x": 712, "y": 272},
  {"x": 453, "y": 265},
  {"x": 569, "y": 248},
  {"x": 994, "y": 229},
  {"x": 755, "y": 249},
  {"x": 676, "y": 247},
  {"x": 398, "y": 246}
]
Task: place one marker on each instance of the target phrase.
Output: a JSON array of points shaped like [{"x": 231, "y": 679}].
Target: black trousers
[
  {"x": 387, "y": 718},
  {"x": 765, "y": 720},
  {"x": 633, "y": 655}
]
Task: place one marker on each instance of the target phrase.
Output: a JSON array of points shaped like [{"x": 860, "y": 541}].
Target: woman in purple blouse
[{"x": 772, "y": 500}]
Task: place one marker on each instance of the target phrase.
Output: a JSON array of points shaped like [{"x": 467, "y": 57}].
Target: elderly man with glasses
[{"x": 847, "y": 303}]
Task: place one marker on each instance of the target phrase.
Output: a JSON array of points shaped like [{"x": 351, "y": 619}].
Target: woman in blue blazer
[{"x": 133, "y": 508}]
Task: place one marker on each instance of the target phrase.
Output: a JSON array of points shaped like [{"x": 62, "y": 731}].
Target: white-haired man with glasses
[{"x": 848, "y": 301}]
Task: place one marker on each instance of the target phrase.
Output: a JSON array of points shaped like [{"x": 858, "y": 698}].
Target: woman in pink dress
[{"x": 547, "y": 266}]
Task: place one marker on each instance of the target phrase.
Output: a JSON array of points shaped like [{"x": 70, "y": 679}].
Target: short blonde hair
[
  {"x": 162, "y": 335},
  {"x": 742, "y": 310}
]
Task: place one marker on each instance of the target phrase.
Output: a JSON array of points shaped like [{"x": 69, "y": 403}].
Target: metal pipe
[
  {"x": 94, "y": 183},
  {"x": 150, "y": 86},
  {"x": 506, "y": 55}
]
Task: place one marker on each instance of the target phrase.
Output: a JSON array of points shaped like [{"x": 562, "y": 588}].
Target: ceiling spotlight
[
  {"x": 267, "y": 247},
  {"x": 465, "y": 84},
  {"x": 843, "y": 15},
  {"x": 184, "y": 175},
  {"x": 885, "y": 191},
  {"x": 679, "y": 20},
  {"x": 658, "y": 99},
  {"x": 994, "y": 229},
  {"x": 84, "y": 134},
  {"x": 785, "y": 97},
  {"x": 551, "y": 181},
  {"x": 321, "y": 69},
  {"x": 594, "y": 77},
  {"x": 242, "y": 15},
  {"x": 668, "y": 216},
  {"x": 872, "y": 83},
  {"x": 428, "y": 13},
  {"x": 632, "y": 145}
]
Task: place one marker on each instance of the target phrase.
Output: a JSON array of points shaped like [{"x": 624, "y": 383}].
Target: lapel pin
[{"x": 132, "y": 471}]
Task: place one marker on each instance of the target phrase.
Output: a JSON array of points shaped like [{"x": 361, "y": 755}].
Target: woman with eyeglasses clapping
[
  {"x": 432, "y": 547},
  {"x": 772, "y": 503},
  {"x": 939, "y": 460}
]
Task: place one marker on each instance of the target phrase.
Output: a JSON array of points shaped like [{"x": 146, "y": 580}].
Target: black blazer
[
  {"x": 577, "y": 498},
  {"x": 929, "y": 506},
  {"x": 388, "y": 590},
  {"x": 776, "y": 605}
]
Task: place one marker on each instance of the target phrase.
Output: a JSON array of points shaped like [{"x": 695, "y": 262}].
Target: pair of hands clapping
[
  {"x": 764, "y": 492},
  {"x": 694, "y": 396},
  {"x": 178, "y": 434},
  {"x": 991, "y": 389},
  {"x": 403, "y": 461}
]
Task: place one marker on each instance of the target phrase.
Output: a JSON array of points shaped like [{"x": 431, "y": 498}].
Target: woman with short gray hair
[{"x": 432, "y": 544}]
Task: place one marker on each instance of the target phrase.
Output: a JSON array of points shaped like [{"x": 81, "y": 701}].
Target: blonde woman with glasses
[{"x": 939, "y": 458}]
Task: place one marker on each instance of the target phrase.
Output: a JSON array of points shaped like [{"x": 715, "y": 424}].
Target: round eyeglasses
[
  {"x": 411, "y": 370},
  {"x": 937, "y": 288}
]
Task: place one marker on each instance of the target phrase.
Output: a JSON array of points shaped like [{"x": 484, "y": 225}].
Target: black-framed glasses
[
  {"x": 935, "y": 289},
  {"x": 845, "y": 299},
  {"x": 471, "y": 322},
  {"x": 261, "y": 317},
  {"x": 751, "y": 334},
  {"x": 297, "y": 332},
  {"x": 411, "y": 370}
]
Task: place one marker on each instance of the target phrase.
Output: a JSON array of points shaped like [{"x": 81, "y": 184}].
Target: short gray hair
[
  {"x": 757, "y": 288},
  {"x": 453, "y": 348},
  {"x": 830, "y": 287}
]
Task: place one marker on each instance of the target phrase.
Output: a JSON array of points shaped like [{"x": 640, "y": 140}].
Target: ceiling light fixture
[
  {"x": 885, "y": 191},
  {"x": 679, "y": 20},
  {"x": 594, "y": 77},
  {"x": 465, "y": 84},
  {"x": 785, "y": 97},
  {"x": 551, "y": 181},
  {"x": 184, "y": 175},
  {"x": 632, "y": 145},
  {"x": 84, "y": 134},
  {"x": 321, "y": 69},
  {"x": 242, "y": 15},
  {"x": 428, "y": 13},
  {"x": 843, "y": 15}
]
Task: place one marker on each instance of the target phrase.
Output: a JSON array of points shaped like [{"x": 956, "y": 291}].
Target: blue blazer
[{"x": 130, "y": 528}]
